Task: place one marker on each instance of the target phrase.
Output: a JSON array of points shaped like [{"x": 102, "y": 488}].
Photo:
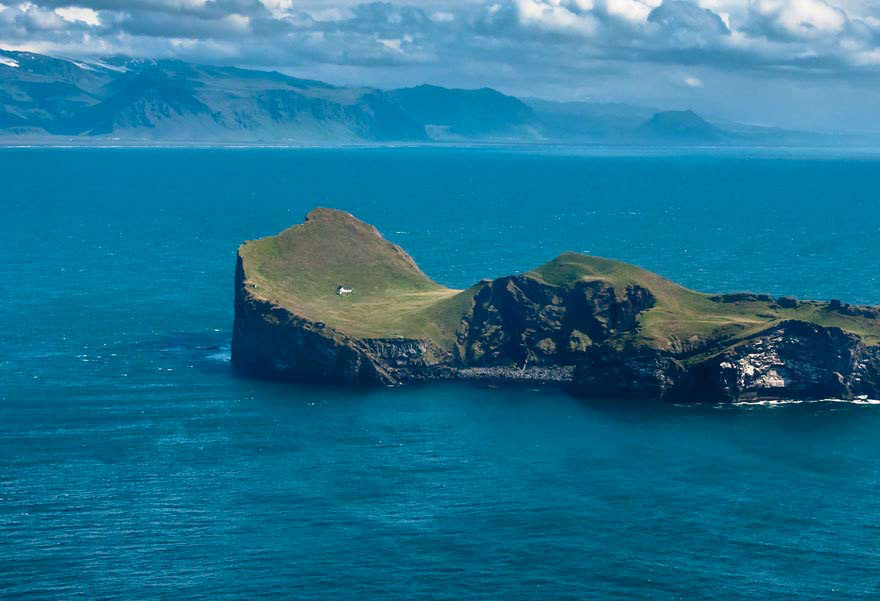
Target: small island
[{"x": 331, "y": 301}]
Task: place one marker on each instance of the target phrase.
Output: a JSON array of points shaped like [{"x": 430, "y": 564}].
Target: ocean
[{"x": 136, "y": 464}]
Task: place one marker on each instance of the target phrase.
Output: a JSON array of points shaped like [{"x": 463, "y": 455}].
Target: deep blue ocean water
[{"x": 134, "y": 464}]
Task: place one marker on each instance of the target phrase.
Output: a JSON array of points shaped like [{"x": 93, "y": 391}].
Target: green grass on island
[
  {"x": 681, "y": 314},
  {"x": 301, "y": 269}
]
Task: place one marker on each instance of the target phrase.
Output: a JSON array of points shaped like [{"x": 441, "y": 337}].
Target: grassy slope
[
  {"x": 681, "y": 314},
  {"x": 301, "y": 268}
]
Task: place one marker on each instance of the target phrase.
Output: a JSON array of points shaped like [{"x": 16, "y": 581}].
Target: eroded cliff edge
[{"x": 601, "y": 327}]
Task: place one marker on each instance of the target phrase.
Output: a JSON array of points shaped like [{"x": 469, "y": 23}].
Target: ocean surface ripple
[{"x": 135, "y": 464}]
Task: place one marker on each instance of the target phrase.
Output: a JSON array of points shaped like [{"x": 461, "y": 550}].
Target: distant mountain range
[{"x": 45, "y": 99}]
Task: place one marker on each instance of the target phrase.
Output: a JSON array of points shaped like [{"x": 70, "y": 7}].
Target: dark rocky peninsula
[{"x": 332, "y": 301}]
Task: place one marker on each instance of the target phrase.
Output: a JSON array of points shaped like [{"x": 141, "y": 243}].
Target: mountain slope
[
  {"x": 680, "y": 126},
  {"x": 173, "y": 100},
  {"x": 137, "y": 100},
  {"x": 592, "y": 121},
  {"x": 467, "y": 113}
]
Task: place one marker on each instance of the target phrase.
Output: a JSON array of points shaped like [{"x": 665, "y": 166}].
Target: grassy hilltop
[
  {"x": 680, "y": 314},
  {"x": 301, "y": 268}
]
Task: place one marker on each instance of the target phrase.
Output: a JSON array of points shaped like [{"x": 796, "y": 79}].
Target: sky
[{"x": 808, "y": 64}]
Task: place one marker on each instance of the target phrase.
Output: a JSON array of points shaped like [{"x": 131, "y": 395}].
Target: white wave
[
  {"x": 863, "y": 400},
  {"x": 5, "y": 60},
  {"x": 222, "y": 356}
]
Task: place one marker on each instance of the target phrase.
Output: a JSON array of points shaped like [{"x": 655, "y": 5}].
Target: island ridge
[{"x": 601, "y": 327}]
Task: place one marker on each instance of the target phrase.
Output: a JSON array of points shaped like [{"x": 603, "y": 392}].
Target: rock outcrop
[
  {"x": 521, "y": 319},
  {"x": 793, "y": 360},
  {"x": 600, "y": 327}
]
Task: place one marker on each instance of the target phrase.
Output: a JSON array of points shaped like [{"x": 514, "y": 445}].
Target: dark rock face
[
  {"x": 635, "y": 373},
  {"x": 794, "y": 359},
  {"x": 739, "y": 297},
  {"x": 854, "y": 310},
  {"x": 787, "y": 302},
  {"x": 522, "y": 320}
]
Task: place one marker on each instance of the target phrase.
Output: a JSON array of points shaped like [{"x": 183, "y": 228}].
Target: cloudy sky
[{"x": 796, "y": 63}]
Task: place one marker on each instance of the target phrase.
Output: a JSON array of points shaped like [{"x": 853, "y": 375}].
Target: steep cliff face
[
  {"x": 793, "y": 360},
  {"x": 603, "y": 328},
  {"x": 274, "y": 342},
  {"x": 634, "y": 372},
  {"x": 522, "y": 319}
]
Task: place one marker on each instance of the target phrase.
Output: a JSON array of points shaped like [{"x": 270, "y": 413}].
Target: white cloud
[
  {"x": 442, "y": 17},
  {"x": 802, "y": 18},
  {"x": 693, "y": 82},
  {"x": 330, "y": 14},
  {"x": 391, "y": 44},
  {"x": 278, "y": 8},
  {"x": 631, "y": 10},
  {"x": 239, "y": 22},
  {"x": 868, "y": 58},
  {"x": 39, "y": 18},
  {"x": 75, "y": 13},
  {"x": 556, "y": 16}
]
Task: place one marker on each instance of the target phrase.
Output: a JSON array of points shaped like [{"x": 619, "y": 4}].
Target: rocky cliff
[
  {"x": 792, "y": 360},
  {"x": 600, "y": 327}
]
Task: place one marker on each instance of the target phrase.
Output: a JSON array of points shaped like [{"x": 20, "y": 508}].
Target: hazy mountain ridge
[
  {"x": 453, "y": 113},
  {"x": 45, "y": 99},
  {"x": 680, "y": 125}
]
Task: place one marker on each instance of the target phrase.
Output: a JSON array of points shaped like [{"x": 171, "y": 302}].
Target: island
[{"x": 332, "y": 301}]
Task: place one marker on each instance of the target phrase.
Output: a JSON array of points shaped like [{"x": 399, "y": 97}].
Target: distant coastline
[
  {"x": 867, "y": 152},
  {"x": 54, "y": 101}
]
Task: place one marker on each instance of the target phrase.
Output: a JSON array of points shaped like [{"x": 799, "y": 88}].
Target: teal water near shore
[{"x": 135, "y": 464}]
